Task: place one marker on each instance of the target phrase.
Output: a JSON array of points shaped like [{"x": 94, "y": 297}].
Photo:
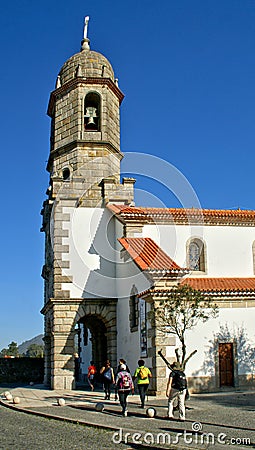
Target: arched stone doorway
[
  {"x": 92, "y": 344},
  {"x": 98, "y": 316},
  {"x": 97, "y": 320}
]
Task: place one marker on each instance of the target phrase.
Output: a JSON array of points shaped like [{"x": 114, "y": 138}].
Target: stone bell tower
[{"x": 84, "y": 168}]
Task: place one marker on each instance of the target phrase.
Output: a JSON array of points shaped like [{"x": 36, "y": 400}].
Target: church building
[{"x": 108, "y": 260}]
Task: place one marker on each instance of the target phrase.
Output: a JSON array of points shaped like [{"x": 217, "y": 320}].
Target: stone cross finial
[{"x": 86, "y": 22}]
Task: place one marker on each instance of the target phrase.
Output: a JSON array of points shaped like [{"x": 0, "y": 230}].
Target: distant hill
[{"x": 22, "y": 348}]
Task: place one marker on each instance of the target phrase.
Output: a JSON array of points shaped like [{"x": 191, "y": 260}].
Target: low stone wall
[
  {"x": 211, "y": 384},
  {"x": 23, "y": 370},
  {"x": 246, "y": 381}
]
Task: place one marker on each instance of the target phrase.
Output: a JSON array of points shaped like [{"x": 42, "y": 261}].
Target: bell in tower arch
[
  {"x": 92, "y": 112},
  {"x": 91, "y": 115}
]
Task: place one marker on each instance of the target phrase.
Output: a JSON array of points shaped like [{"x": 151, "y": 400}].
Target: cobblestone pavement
[{"x": 213, "y": 420}]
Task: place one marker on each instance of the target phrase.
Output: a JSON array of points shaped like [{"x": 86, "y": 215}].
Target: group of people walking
[{"x": 123, "y": 382}]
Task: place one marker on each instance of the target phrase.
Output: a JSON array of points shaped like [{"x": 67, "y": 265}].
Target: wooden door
[{"x": 226, "y": 364}]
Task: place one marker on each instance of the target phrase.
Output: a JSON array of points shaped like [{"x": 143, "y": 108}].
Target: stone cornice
[
  {"x": 180, "y": 216},
  {"x": 72, "y": 84},
  {"x": 223, "y": 298},
  {"x": 65, "y": 149},
  {"x": 76, "y": 301}
]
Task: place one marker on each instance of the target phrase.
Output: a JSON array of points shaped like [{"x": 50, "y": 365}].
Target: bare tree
[{"x": 180, "y": 311}]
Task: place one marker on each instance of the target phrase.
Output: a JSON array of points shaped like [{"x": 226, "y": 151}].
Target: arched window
[
  {"x": 66, "y": 173},
  {"x": 92, "y": 112},
  {"x": 196, "y": 255}
]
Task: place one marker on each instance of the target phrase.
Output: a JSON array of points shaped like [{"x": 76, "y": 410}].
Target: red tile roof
[
  {"x": 184, "y": 216},
  {"x": 148, "y": 255},
  {"x": 219, "y": 288},
  {"x": 221, "y": 284}
]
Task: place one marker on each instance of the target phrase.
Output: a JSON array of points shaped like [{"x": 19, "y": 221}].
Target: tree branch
[{"x": 188, "y": 358}]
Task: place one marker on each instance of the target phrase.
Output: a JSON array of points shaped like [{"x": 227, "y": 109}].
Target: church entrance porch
[
  {"x": 97, "y": 319},
  {"x": 92, "y": 345}
]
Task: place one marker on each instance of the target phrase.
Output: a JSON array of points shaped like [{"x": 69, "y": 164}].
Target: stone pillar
[
  {"x": 112, "y": 347},
  {"x": 157, "y": 341},
  {"x": 63, "y": 371},
  {"x": 47, "y": 360},
  {"x": 160, "y": 342},
  {"x": 63, "y": 359}
]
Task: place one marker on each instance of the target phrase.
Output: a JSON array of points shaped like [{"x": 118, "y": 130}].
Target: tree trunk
[{"x": 183, "y": 351}]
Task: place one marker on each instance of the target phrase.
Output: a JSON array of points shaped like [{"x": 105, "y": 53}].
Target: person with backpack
[
  {"x": 91, "y": 375},
  {"x": 121, "y": 362},
  {"x": 108, "y": 378},
  {"x": 176, "y": 388},
  {"x": 124, "y": 385},
  {"x": 142, "y": 375}
]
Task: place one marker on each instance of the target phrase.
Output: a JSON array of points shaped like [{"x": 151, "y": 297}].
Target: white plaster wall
[
  {"x": 128, "y": 344},
  {"x": 228, "y": 248},
  {"x": 200, "y": 337},
  {"x": 128, "y": 276},
  {"x": 91, "y": 253},
  {"x": 94, "y": 258},
  {"x": 98, "y": 270}
]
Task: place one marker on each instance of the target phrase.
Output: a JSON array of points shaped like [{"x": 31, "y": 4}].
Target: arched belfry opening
[{"x": 92, "y": 110}]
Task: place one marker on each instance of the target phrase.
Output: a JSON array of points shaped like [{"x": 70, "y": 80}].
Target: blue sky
[{"x": 187, "y": 69}]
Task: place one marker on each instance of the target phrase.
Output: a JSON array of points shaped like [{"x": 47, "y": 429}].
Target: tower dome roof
[{"x": 89, "y": 64}]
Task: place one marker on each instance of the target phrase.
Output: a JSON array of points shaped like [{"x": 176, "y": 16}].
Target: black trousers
[
  {"x": 123, "y": 399},
  {"x": 142, "y": 389},
  {"x": 107, "y": 389}
]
